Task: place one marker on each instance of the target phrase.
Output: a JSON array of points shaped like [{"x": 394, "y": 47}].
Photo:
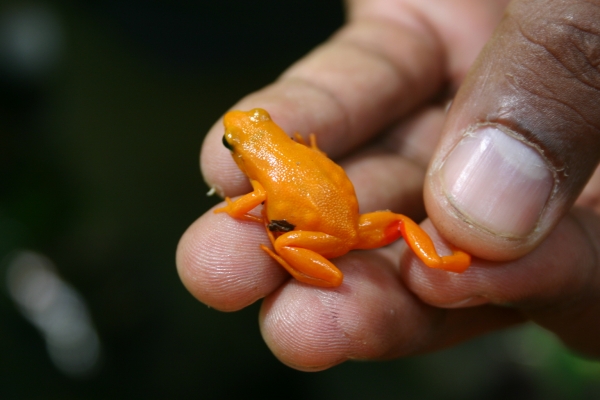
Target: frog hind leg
[
  {"x": 300, "y": 253},
  {"x": 313, "y": 142},
  {"x": 380, "y": 228}
]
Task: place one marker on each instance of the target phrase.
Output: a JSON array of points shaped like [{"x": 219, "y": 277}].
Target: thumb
[{"x": 522, "y": 136}]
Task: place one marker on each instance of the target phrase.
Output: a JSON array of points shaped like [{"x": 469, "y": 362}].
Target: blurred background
[{"x": 103, "y": 107}]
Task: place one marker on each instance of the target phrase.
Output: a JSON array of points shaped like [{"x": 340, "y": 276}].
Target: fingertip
[
  {"x": 298, "y": 328},
  {"x": 216, "y": 163},
  {"x": 370, "y": 316},
  {"x": 442, "y": 289},
  {"x": 219, "y": 261},
  {"x": 438, "y": 287},
  {"x": 557, "y": 274}
]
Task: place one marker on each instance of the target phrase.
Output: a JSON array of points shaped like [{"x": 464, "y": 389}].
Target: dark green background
[{"x": 99, "y": 172}]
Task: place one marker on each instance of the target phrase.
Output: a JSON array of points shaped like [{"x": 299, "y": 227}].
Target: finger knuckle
[{"x": 562, "y": 64}]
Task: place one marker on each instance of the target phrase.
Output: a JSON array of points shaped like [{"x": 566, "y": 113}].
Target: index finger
[{"x": 345, "y": 90}]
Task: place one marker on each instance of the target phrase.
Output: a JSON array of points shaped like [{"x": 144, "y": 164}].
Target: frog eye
[{"x": 227, "y": 144}]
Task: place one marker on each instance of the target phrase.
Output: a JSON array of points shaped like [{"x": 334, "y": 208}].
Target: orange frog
[{"x": 309, "y": 206}]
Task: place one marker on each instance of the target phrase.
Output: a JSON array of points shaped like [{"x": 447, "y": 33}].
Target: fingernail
[{"x": 497, "y": 182}]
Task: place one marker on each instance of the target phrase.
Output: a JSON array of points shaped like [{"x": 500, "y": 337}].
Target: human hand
[{"x": 537, "y": 81}]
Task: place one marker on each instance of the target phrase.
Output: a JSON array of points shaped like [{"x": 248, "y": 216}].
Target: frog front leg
[
  {"x": 383, "y": 227},
  {"x": 239, "y": 209},
  {"x": 302, "y": 254}
]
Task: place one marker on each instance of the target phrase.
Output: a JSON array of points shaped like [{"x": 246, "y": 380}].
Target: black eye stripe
[{"x": 227, "y": 144}]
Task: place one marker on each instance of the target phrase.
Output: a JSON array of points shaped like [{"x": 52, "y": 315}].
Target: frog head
[
  {"x": 246, "y": 132},
  {"x": 245, "y": 127}
]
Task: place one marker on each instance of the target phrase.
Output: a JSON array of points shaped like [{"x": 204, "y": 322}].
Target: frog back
[
  {"x": 305, "y": 189},
  {"x": 309, "y": 191}
]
